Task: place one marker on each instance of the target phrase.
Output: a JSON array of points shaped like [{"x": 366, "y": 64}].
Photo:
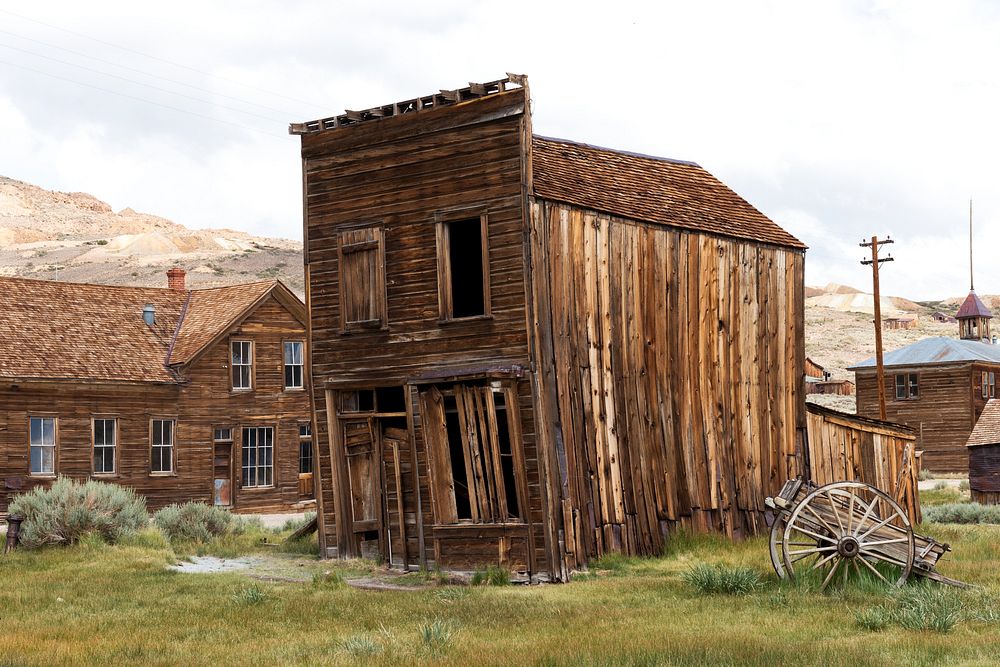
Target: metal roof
[
  {"x": 973, "y": 307},
  {"x": 939, "y": 350}
]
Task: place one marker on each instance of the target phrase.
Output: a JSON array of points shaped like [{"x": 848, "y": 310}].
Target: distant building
[
  {"x": 180, "y": 394},
  {"x": 984, "y": 456},
  {"x": 938, "y": 316},
  {"x": 908, "y": 322},
  {"x": 938, "y": 386}
]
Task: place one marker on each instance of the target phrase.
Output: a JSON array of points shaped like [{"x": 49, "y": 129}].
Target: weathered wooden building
[
  {"x": 180, "y": 394},
  {"x": 533, "y": 351},
  {"x": 937, "y": 386},
  {"x": 984, "y": 456}
]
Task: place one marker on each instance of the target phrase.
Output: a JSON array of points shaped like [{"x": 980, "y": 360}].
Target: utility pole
[{"x": 875, "y": 261}]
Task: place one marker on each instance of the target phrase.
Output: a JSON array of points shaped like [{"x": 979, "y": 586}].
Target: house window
[
  {"x": 258, "y": 456},
  {"x": 463, "y": 268},
  {"x": 162, "y": 446},
  {"x": 989, "y": 384},
  {"x": 42, "y": 445},
  {"x": 906, "y": 386},
  {"x": 362, "y": 279},
  {"x": 476, "y": 457},
  {"x": 242, "y": 364},
  {"x": 293, "y": 365},
  {"x": 305, "y": 448},
  {"x": 105, "y": 440}
]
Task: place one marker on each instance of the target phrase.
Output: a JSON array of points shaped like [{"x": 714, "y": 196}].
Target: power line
[
  {"x": 149, "y": 74},
  {"x": 141, "y": 99},
  {"x": 139, "y": 83},
  {"x": 163, "y": 60}
]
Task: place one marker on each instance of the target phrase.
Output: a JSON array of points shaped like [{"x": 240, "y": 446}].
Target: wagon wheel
[
  {"x": 844, "y": 526},
  {"x": 777, "y": 548}
]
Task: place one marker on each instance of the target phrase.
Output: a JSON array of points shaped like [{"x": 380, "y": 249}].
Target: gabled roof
[
  {"x": 52, "y": 330},
  {"x": 973, "y": 306},
  {"x": 987, "y": 429},
  {"x": 650, "y": 189},
  {"x": 939, "y": 350}
]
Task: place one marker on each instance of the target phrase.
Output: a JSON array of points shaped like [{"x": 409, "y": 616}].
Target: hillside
[{"x": 77, "y": 237}]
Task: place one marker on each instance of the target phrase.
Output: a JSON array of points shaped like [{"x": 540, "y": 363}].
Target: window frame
[
  {"x": 173, "y": 446},
  {"x": 301, "y": 366},
  {"x": 233, "y": 365},
  {"x": 306, "y": 439},
  {"x": 54, "y": 446},
  {"x": 488, "y": 450},
  {"x": 113, "y": 447},
  {"x": 378, "y": 290},
  {"x": 910, "y": 386},
  {"x": 272, "y": 483},
  {"x": 446, "y": 309},
  {"x": 987, "y": 384}
]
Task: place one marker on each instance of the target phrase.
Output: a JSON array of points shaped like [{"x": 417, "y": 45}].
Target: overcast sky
[{"x": 838, "y": 120}]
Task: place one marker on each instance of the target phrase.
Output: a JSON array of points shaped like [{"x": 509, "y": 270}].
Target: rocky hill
[{"x": 76, "y": 237}]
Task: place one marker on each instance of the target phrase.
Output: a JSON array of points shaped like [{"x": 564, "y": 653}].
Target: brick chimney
[{"x": 175, "y": 278}]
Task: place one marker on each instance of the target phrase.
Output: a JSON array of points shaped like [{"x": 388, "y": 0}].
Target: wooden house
[
  {"x": 984, "y": 456},
  {"x": 906, "y": 322},
  {"x": 180, "y": 394},
  {"x": 532, "y": 351},
  {"x": 938, "y": 386}
]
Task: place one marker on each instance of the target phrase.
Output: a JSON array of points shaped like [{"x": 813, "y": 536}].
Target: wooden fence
[{"x": 844, "y": 446}]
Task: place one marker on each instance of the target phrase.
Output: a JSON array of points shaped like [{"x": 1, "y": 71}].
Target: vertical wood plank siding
[
  {"x": 844, "y": 447},
  {"x": 677, "y": 368}
]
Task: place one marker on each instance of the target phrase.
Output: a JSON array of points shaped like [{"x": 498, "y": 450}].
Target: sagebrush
[
  {"x": 197, "y": 522},
  {"x": 69, "y": 510},
  {"x": 962, "y": 513}
]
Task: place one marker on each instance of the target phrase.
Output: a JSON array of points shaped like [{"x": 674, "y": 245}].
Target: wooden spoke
[
  {"x": 835, "y": 512},
  {"x": 824, "y": 561},
  {"x": 866, "y": 515},
  {"x": 829, "y": 575},
  {"x": 850, "y": 513},
  {"x": 822, "y": 521},
  {"x": 811, "y": 551},
  {"x": 812, "y": 534},
  {"x": 872, "y": 568},
  {"x": 875, "y": 527},
  {"x": 897, "y": 540}
]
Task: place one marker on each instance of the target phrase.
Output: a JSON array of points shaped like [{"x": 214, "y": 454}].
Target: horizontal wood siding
[
  {"x": 404, "y": 174},
  {"x": 204, "y": 402},
  {"x": 949, "y": 402},
  {"x": 678, "y": 366},
  {"x": 984, "y": 473}
]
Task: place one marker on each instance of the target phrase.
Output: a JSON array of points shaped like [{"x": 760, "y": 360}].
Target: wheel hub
[{"x": 848, "y": 546}]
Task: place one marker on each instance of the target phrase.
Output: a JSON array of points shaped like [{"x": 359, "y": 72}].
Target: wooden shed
[
  {"x": 532, "y": 351},
  {"x": 844, "y": 446},
  {"x": 984, "y": 456}
]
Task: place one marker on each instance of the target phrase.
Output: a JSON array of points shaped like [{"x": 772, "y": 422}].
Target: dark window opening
[
  {"x": 460, "y": 480},
  {"x": 506, "y": 457},
  {"x": 465, "y": 254},
  {"x": 390, "y": 399},
  {"x": 362, "y": 400}
]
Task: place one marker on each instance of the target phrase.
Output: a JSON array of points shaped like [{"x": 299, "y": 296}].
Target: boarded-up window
[
  {"x": 463, "y": 268},
  {"x": 362, "y": 279},
  {"x": 477, "y": 464}
]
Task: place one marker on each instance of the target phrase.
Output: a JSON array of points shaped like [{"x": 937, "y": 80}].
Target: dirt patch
[{"x": 213, "y": 565}]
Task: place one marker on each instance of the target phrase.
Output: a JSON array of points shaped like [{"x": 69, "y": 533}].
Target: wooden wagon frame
[{"x": 834, "y": 528}]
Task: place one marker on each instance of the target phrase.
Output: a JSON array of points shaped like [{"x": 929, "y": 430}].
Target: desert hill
[{"x": 76, "y": 237}]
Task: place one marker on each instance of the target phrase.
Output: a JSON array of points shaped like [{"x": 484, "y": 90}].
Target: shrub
[
  {"x": 940, "y": 486},
  {"x": 874, "y": 619},
  {"x": 249, "y": 596},
  {"x": 928, "y": 608},
  {"x": 493, "y": 575},
  {"x": 69, "y": 510},
  {"x": 359, "y": 645},
  {"x": 924, "y": 474},
  {"x": 962, "y": 513},
  {"x": 436, "y": 636},
  {"x": 197, "y": 522},
  {"x": 964, "y": 485},
  {"x": 713, "y": 579}
]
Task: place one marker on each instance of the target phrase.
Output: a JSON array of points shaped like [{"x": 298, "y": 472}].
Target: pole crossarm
[{"x": 875, "y": 262}]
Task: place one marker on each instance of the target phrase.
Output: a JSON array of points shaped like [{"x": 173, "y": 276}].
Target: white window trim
[
  {"x": 233, "y": 365},
  {"x": 113, "y": 446},
  {"x": 301, "y": 365},
  {"x": 153, "y": 446},
  {"x": 43, "y": 445}
]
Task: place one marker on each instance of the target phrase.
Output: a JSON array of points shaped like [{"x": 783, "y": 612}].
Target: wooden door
[
  {"x": 362, "y": 451},
  {"x": 396, "y": 446},
  {"x": 222, "y": 468}
]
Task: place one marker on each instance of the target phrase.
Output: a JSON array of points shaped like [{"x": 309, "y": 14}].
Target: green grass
[{"x": 98, "y": 604}]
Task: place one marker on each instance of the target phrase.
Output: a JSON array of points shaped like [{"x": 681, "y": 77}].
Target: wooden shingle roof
[
  {"x": 987, "y": 429},
  {"x": 52, "y": 330},
  {"x": 650, "y": 189}
]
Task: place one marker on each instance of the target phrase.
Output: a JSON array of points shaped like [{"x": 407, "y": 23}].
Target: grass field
[{"x": 98, "y": 604}]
